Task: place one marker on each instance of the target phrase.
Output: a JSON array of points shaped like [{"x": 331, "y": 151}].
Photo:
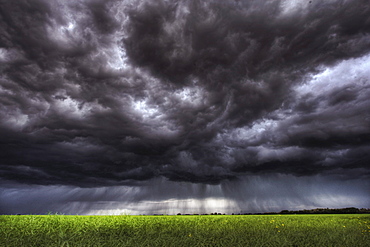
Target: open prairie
[{"x": 193, "y": 230}]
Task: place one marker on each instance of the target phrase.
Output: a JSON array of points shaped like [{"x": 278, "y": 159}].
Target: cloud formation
[
  {"x": 250, "y": 194},
  {"x": 103, "y": 93}
]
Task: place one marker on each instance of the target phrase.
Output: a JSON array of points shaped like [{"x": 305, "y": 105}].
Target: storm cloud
[{"x": 117, "y": 93}]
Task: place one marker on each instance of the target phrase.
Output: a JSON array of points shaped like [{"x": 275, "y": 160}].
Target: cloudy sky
[{"x": 168, "y": 106}]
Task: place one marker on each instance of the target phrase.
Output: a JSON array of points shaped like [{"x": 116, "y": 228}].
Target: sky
[{"x": 184, "y": 106}]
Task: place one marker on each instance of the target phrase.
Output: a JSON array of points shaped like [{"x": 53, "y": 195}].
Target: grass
[{"x": 226, "y": 230}]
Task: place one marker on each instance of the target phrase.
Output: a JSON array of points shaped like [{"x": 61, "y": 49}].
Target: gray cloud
[
  {"x": 252, "y": 194},
  {"x": 106, "y": 93}
]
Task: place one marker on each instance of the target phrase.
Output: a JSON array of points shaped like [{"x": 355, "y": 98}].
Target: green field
[{"x": 210, "y": 230}]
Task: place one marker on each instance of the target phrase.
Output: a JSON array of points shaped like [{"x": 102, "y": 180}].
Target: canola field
[{"x": 203, "y": 230}]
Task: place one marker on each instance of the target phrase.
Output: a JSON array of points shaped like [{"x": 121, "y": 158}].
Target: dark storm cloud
[{"x": 112, "y": 92}]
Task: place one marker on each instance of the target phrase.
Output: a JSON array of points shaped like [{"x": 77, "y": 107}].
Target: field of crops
[{"x": 211, "y": 230}]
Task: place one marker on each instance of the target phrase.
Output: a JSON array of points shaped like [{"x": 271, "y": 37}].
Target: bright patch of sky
[
  {"x": 144, "y": 109},
  {"x": 349, "y": 72},
  {"x": 289, "y": 7},
  {"x": 171, "y": 207},
  {"x": 190, "y": 96}
]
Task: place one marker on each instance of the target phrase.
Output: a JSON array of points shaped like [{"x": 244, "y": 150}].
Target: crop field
[{"x": 205, "y": 230}]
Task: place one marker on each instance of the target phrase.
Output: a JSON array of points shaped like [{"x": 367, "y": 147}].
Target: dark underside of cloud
[{"x": 111, "y": 92}]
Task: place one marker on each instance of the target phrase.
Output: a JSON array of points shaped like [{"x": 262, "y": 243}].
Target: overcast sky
[{"x": 167, "y": 106}]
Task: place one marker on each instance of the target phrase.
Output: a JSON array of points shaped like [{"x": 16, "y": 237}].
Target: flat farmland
[{"x": 193, "y": 230}]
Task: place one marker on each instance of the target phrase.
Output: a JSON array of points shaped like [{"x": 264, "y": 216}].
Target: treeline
[{"x": 351, "y": 210}]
